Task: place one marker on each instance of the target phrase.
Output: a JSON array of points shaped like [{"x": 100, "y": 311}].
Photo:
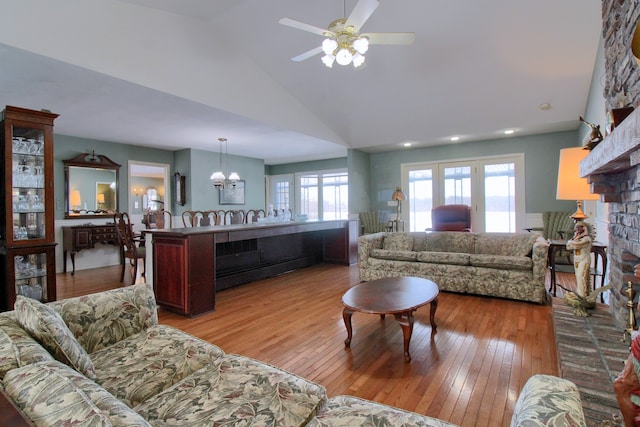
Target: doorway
[{"x": 149, "y": 188}]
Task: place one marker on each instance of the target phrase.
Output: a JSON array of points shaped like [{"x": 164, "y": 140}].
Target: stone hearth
[{"x": 591, "y": 354}]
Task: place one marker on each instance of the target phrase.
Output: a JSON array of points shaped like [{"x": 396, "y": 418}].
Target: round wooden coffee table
[{"x": 400, "y": 296}]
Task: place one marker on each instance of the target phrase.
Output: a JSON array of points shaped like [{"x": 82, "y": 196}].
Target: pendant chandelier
[{"x": 219, "y": 178}]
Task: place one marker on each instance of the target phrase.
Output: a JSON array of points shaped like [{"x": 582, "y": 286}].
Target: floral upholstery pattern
[
  {"x": 48, "y": 328},
  {"x": 397, "y": 242},
  {"x": 236, "y": 390},
  {"x": 548, "y": 401},
  {"x": 102, "y": 319},
  {"x": 17, "y": 347},
  {"x": 454, "y": 261},
  {"x": 347, "y": 411},
  {"x": 73, "y": 399},
  {"x": 507, "y": 244},
  {"x": 147, "y": 363}
]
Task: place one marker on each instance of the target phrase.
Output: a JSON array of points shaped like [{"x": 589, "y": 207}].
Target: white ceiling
[{"x": 181, "y": 73}]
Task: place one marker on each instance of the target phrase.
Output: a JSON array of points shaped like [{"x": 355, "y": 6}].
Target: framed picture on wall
[
  {"x": 232, "y": 194},
  {"x": 179, "y": 181}
]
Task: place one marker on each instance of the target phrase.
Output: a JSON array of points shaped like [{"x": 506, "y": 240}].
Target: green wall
[
  {"x": 541, "y": 166},
  {"x": 359, "y": 190},
  {"x": 317, "y": 165}
]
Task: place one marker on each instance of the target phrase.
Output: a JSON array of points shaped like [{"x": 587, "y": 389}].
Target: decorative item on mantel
[
  {"x": 616, "y": 116},
  {"x": 594, "y": 137}
]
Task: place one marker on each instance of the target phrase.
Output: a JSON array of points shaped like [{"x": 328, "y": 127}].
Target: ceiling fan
[{"x": 343, "y": 43}]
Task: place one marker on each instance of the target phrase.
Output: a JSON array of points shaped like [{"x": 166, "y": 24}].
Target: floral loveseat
[
  {"x": 103, "y": 360},
  {"x": 507, "y": 265}
]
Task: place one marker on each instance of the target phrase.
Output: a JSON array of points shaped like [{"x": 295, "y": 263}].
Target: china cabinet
[{"x": 27, "y": 243}]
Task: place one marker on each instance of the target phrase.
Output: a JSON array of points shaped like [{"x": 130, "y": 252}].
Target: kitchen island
[{"x": 190, "y": 264}]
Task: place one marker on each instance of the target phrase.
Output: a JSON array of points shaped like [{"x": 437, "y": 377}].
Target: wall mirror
[{"x": 91, "y": 186}]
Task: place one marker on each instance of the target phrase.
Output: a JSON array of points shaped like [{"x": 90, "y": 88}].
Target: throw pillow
[
  {"x": 398, "y": 242},
  {"x": 48, "y": 328}
]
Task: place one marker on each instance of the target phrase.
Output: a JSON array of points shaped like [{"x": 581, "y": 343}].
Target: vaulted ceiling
[{"x": 181, "y": 73}]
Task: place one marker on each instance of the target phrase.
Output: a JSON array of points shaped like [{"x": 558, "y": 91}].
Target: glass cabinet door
[
  {"x": 30, "y": 272},
  {"x": 28, "y": 184}
]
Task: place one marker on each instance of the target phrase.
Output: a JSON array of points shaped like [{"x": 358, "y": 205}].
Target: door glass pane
[
  {"x": 28, "y": 189},
  {"x": 335, "y": 196},
  {"x": 499, "y": 193},
  {"x": 31, "y": 275},
  {"x": 457, "y": 185},
  {"x": 421, "y": 199},
  {"x": 309, "y": 196}
]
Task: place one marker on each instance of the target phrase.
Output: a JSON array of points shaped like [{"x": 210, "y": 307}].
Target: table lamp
[
  {"x": 570, "y": 185},
  {"x": 398, "y": 196},
  {"x": 75, "y": 199}
]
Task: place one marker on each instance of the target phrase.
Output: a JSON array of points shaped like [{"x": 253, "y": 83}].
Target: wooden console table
[
  {"x": 78, "y": 237},
  {"x": 191, "y": 264}
]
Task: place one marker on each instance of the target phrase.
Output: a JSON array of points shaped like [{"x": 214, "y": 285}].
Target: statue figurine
[
  {"x": 594, "y": 137},
  {"x": 580, "y": 243}
]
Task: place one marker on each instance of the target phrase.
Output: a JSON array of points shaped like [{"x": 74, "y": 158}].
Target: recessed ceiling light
[
  {"x": 545, "y": 106},
  {"x": 406, "y": 144},
  {"x": 455, "y": 138},
  {"x": 509, "y": 131}
]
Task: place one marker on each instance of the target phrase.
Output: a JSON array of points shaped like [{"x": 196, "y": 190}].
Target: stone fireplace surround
[{"x": 613, "y": 170}]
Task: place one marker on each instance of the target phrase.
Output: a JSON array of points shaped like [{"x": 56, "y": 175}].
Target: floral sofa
[
  {"x": 507, "y": 265},
  {"x": 103, "y": 360}
]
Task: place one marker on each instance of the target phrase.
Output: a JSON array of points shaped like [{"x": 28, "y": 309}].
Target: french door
[{"x": 492, "y": 186}]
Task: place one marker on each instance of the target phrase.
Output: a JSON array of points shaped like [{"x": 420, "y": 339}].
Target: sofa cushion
[
  {"x": 236, "y": 390},
  {"x": 547, "y": 400},
  {"x": 502, "y": 262},
  {"x": 147, "y": 363},
  {"x": 450, "y": 241},
  {"x": 508, "y": 244},
  {"x": 353, "y": 411},
  {"x": 444, "y": 258},
  {"x": 17, "y": 347},
  {"x": 394, "y": 255},
  {"x": 50, "y": 393},
  {"x": 48, "y": 328},
  {"x": 398, "y": 242},
  {"x": 101, "y": 319}
]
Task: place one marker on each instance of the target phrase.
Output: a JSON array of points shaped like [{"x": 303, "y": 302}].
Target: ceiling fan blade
[
  {"x": 308, "y": 54},
  {"x": 390, "y": 38},
  {"x": 289, "y": 22},
  {"x": 361, "y": 12}
]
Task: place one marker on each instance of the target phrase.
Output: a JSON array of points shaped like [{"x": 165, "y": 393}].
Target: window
[{"x": 324, "y": 195}]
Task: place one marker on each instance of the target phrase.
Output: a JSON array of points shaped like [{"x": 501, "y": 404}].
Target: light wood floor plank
[{"x": 470, "y": 372}]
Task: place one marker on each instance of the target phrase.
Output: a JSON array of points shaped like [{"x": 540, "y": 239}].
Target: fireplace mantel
[{"x": 618, "y": 152}]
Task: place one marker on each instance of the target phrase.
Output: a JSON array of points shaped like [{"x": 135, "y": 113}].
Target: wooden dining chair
[
  {"x": 157, "y": 219},
  {"x": 253, "y": 215},
  {"x": 234, "y": 216},
  {"x": 131, "y": 246}
]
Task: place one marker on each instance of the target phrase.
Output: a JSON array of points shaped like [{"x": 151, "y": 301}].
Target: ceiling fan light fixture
[
  {"x": 328, "y": 60},
  {"x": 344, "y": 57},
  {"x": 361, "y": 45},
  {"x": 329, "y": 46},
  {"x": 358, "y": 60}
]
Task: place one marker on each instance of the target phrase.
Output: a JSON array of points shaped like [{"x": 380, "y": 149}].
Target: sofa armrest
[
  {"x": 368, "y": 242},
  {"x": 539, "y": 258},
  {"x": 102, "y": 319},
  {"x": 547, "y": 400}
]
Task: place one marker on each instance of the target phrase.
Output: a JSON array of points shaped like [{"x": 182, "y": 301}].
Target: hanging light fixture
[
  {"x": 345, "y": 47},
  {"x": 219, "y": 178}
]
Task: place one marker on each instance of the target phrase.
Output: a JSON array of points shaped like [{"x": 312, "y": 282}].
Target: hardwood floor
[{"x": 469, "y": 373}]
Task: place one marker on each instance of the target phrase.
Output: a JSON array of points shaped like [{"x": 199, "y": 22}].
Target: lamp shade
[
  {"x": 398, "y": 194},
  {"x": 570, "y": 185},
  {"x": 101, "y": 198}
]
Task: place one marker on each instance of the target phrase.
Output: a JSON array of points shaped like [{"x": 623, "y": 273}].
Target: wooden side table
[{"x": 598, "y": 249}]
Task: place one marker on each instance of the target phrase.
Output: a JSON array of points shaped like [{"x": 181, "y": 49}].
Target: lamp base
[{"x": 579, "y": 214}]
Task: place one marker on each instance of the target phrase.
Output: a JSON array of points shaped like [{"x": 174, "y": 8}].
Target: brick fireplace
[{"x": 613, "y": 167}]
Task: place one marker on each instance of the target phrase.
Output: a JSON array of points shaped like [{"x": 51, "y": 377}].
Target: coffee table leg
[
  {"x": 432, "y": 315},
  {"x": 346, "y": 315},
  {"x": 406, "y": 323}
]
